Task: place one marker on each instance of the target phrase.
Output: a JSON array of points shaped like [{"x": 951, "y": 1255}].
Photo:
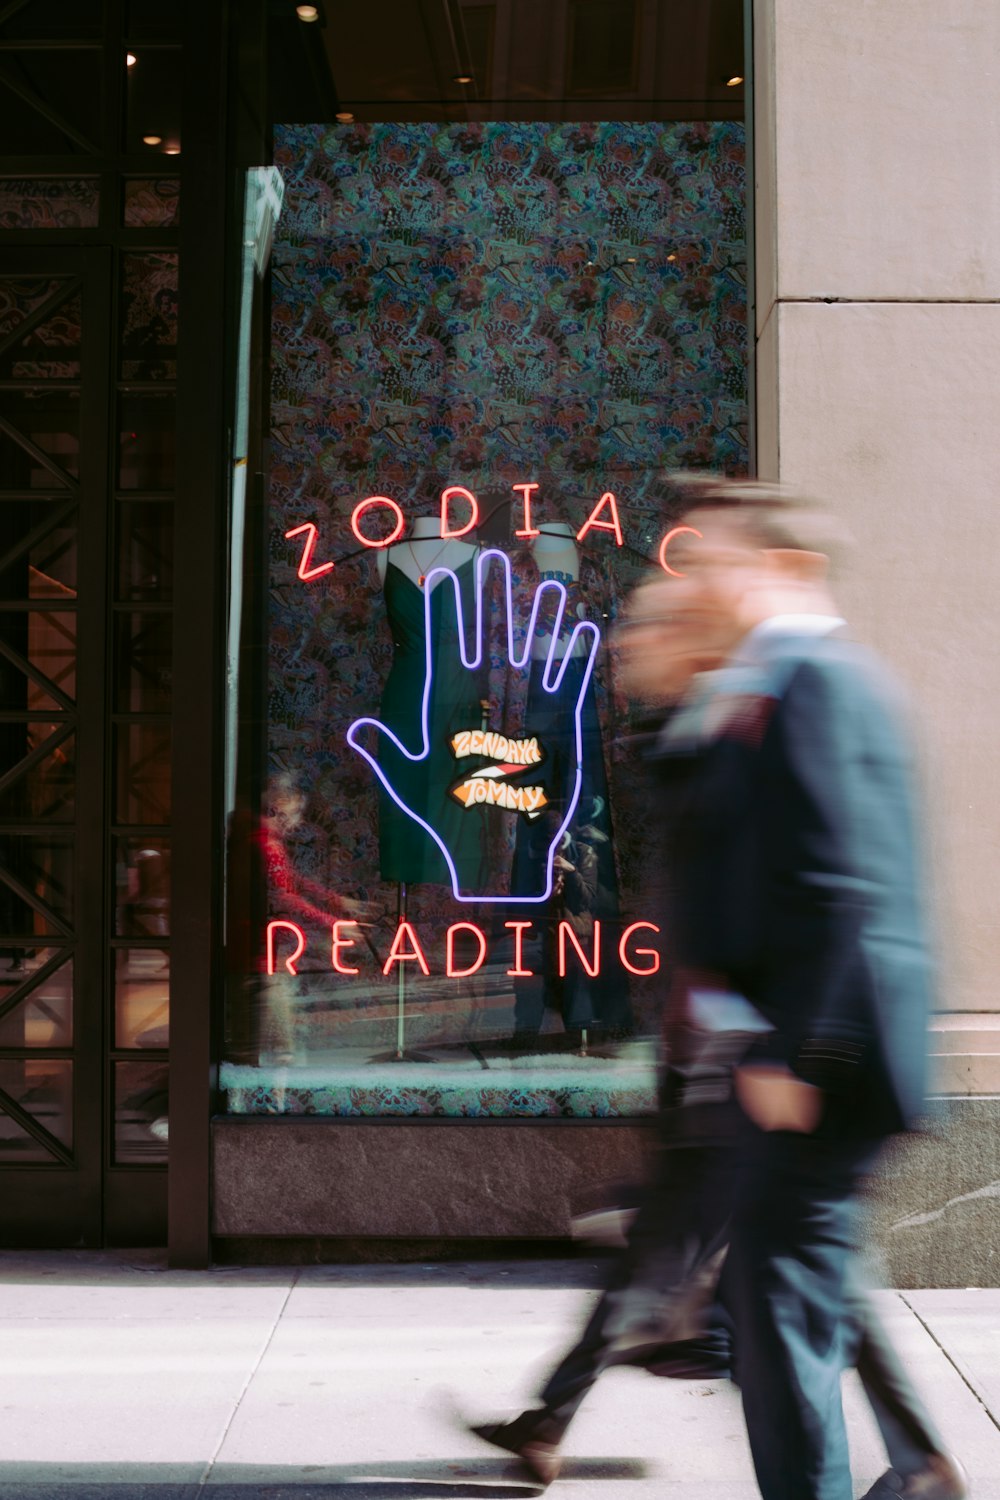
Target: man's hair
[{"x": 773, "y": 515}]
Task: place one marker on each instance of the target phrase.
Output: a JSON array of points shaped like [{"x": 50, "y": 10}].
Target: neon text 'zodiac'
[{"x": 605, "y": 516}]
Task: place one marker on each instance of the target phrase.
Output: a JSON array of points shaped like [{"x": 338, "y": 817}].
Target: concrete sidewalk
[{"x": 119, "y": 1378}]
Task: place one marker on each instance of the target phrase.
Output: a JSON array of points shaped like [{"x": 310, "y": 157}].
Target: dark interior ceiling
[{"x": 525, "y": 59}]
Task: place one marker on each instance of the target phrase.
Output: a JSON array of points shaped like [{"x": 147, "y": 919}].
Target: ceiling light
[
  {"x": 345, "y": 117},
  {"x": 630, "y": 260},
  {"x": 463, "y": 77},
  {"x": 130, "y": 59},
  {"x": 152, "y": 140},
  {"x": 307, "y": 12},
  {"x": 734, "y": 80},
  {"x": 172, "y": 150},
  {"x": 671, "y": 256}
]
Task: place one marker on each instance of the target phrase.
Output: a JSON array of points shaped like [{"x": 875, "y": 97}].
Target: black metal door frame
[{"x": 60, "y": 1202}]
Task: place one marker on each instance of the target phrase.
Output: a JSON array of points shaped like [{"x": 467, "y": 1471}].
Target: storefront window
[{"x": 491, "y": 343}]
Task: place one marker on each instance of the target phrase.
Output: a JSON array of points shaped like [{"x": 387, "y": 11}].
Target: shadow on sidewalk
[{"x": 443, "y": 1479}]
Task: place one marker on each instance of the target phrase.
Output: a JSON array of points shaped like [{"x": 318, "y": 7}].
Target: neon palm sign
[{"x": 582, "y": 644}]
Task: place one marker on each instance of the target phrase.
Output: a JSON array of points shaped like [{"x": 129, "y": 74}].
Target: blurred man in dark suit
[
  {"x": 796, "y": 930},
  {"x": 798, "y": 889}
]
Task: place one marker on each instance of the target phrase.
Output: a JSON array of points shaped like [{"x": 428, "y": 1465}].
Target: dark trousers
[
  {"x": 660, "y": 1288},
  {"x": 654, "y": 1285},
  {"x": 787, "y": 1281}
]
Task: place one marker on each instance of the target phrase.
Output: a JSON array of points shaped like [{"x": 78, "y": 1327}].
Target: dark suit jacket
[{"x": 795, "y": 871}]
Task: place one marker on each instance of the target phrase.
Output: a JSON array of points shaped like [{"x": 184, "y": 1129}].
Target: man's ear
[{"x": 794, "y": 564}]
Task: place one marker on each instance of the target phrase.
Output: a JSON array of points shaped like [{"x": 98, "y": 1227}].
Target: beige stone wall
[{"x": 876, "y": 125}]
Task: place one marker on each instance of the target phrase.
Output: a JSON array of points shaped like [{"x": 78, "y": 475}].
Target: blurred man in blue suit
[
  {"x": 795, "y": 1030},
  {"x": 797, "y": 888}
]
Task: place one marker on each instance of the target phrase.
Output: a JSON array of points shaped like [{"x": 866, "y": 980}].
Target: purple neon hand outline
[{"x": 584, "y": 632}]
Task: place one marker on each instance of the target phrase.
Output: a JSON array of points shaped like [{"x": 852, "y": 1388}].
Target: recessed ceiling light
[
  {"x": 307, "y": 12},
  {"x": 152, "y": 140},
  {"x": 130, "y": 59},
  {"x": 463, "y": 77},
  {"x": 172, "y": 150},
  {"x": 630, "y": 260},
  {"x": 734, "y": 81},
  {"x": 671, "y": 256},
  {"x": 345, "y": 117}
]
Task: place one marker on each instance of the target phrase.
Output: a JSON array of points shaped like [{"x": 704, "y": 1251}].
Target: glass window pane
[
  {"x": 50, "y": 311},
  {"x": 143, "y": 646},
  {"x": 43, "y": 645},
  {"x": 44, "y": 1090},
  {"x": 41, "y": 761},
  {"x": 36, "y": 884},
  {"x": 508, "y": 307},
  {"x": 39, "y": 439},
  {"x": 143, "y": 772},
  {"x": 52, "y": 111},
  {"x": 149, "y": 315},
  {"x": 140, "y": 1112},
  {"x": 142, "y": 888},
  {"x": 50, "y": 202},
  {"x": 147, "y": 438},
  {"x": 151, "y": 20},
  {"x": 153, "y": 113},
  {"x": 602, "y": 57},
  {"x": 142, "y": 997},
  {"x": 146, "y": 550},
  {"x": 55, "y": 20},
  {"x": 36, "y": 1011},
  {"x": 37, "y": 549},
  {"x": 152, "y": 202}
]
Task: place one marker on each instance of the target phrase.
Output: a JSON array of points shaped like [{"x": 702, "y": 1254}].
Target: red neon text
[
  {"x": 398, "y": 954},
  {"x": 406, "y": 948},
  {"x": 358, "y": 512},
  {"x": 593, "y": 524},
  {"x": 300, "y": 945},
  {"x": 449, "y": 967},
  {"x": 666, "y": 543},
  {"x": 457, "y": 489},
  {"x": 651, "y": 953},
  {"x": 518, "y": 928},
  {"x": 605, "y": 516},
  {"x": 526, "y": 491},
  {"x": 307, "y": 573},
  {"x": 591, "y": 966},
  {"x": 338, "y": 942}
]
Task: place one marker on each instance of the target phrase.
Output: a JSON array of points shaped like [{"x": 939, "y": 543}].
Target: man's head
[
  {"x": 754, "y": 550},
  {"x": 659, "y": 651}
]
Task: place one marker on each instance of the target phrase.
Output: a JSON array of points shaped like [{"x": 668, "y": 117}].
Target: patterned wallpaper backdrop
[{"x": 479, "y": 305}]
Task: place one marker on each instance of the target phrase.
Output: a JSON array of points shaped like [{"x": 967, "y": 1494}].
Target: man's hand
[{"x": 775, "y": 1099}]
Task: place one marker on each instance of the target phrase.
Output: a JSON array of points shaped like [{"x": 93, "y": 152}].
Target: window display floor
[{"x": 540, "y": 1085}]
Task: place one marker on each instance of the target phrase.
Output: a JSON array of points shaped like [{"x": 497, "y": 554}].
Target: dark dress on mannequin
[
  {"x": 406, "y": 853},
  {"x": 590, "y": 890}
]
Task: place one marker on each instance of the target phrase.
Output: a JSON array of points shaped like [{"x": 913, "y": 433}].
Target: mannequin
[
  {"x": 406, "y": 855},
  {"x": 425, "y": 549}
]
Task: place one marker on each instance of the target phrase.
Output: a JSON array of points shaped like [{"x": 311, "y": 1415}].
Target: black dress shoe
[
  {"x": 941, "y": 1478},
  {"x": 524, "y": 1438}
]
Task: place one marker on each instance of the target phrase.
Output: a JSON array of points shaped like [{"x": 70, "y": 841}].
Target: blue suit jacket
[{"x": 795, "y": 871}]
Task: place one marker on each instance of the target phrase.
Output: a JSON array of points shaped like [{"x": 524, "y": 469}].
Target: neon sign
[
  {"x": 406, "y": 948},
  {"x": 604, "y": 517},
  {"x": 580, "y": 647}
]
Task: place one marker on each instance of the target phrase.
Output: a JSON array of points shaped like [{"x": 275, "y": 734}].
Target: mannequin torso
[{"x": 425, "y": 550}]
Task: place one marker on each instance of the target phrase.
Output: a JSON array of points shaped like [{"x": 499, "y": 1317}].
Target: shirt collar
[{"x": 755, "y": 644}]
